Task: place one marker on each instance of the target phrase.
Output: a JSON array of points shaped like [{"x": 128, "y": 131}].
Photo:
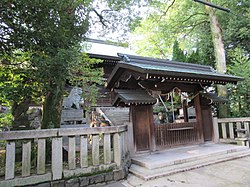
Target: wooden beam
[
  {"x": 152, "y": 129},
  {"x": 167, "y": 86},
  {"x": 199, "y": 118}
]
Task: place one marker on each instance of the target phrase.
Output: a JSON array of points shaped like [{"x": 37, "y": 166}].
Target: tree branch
[
  {"x": 101, "y": 18},
  {"x": 199, "y": 13},
  {"x": 194, "y": 26},
  {"x": 159, "y": 47},
  {"x": 8, "y": 63},
  {"x": 164, "y": 14}
]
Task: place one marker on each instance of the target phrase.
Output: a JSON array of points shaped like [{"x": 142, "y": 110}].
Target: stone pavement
[{"x": 234, "y": 173}]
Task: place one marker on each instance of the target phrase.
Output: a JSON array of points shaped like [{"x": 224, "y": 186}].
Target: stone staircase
[
  {"x": 161, "y": 164},
  {"x": 117, "y": 115}
]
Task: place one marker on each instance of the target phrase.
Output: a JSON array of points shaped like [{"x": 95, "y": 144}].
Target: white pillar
[
  {"x": 26, "y": 156},
  {"x": 216, "y": 130},
  {"x": 41, "y": 150},
  {"x": 10, "y": 160},
  {"x": 57, "y": 164}
]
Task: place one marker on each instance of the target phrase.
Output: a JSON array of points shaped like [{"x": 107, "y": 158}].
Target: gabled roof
[
  {"x": 104, "y": 48},
  {"x": 112, "y": 60},
  {"x": 214, "y": 98},
  {"x": 130, "y": 97},
  {"x": 153, "y": 68}
]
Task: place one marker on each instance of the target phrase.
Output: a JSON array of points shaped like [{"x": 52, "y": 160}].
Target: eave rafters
[
  {"x": 185, "y": 79},
  {"x": 167, "y": 86},
  {"x": 129, "y": 78}
]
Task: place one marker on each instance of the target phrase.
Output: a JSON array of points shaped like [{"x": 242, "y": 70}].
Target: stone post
[{"x": 216, "y": 130}]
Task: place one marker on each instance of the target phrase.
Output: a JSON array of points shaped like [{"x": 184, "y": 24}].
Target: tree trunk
[
  {"x": 52, "y": 107},
  {"x": 20, "y": 116},
  {"x": 220, "y": 56},
  {"x": 52, "y": 113}
]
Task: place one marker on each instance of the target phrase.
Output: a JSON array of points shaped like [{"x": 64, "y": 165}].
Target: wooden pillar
[
  {"x": 198, "y": 112},
  {"x": 152, "y": 128},
  {"x": 185, "y": 110}
]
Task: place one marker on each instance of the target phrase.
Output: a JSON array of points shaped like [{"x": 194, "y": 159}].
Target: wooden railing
[
  {"x": 88, "y": 150},
  {"x": 233, "y": 129},
  {"x": 174, "y": 134}
]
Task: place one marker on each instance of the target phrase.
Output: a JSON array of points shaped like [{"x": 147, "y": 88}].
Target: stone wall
[{"x": 92, "y": 179}]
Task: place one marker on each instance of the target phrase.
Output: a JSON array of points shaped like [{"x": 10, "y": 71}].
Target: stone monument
[{"x": 72, "y": 110}]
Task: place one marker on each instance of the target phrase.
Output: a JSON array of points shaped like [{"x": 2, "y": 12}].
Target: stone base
[
  {"x": 242, "y": 141},
  {"x": 87, "y": 179}
]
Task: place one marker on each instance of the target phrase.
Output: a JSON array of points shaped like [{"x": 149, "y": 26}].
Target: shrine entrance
[
  {"x": 142, "y": 121},
  {"x": 140, "y": 82}
]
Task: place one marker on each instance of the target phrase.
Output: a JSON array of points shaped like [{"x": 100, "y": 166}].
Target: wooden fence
[
  {"x": 88, "y": 150},
  {"x": 234, "y": 129},
  {"x": 174, "y": 134}
]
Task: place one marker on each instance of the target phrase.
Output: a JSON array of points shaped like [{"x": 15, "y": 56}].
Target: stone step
[
  {"x": 117, "y": 115},
  {"x": 149, "y": 174},
  {"x": 184, "y": 154}
]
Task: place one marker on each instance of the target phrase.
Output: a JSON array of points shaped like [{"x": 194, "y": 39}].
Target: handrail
[
  {"x": 99, "y": 110},
  {"x": 179, "y": 129},
  {"x": 225, "y": 120},
  {"x": 100, "y": 149},
  {"x": 45, "y": 133},
  {"x": 234, "y": 130}
]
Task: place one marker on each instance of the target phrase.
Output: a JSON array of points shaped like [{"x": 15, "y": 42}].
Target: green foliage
[
  {"x": 240, "y": 94},
  {"x": 17, "y": 79},
  {"x": 88, "y": 76},
  {"x": 184, "y": 21},
  {"x": 40, "y": 50},
  {"x": 194, "y": 57},
  {"x": 178, "y": 54},
  {"x": 5, "y": 120},
  {"x": 236, "y": 25},
  {"x": 47, "y": 33},
  {"x": 188, "y": 22},
  {"x": 42, "y": 25}
]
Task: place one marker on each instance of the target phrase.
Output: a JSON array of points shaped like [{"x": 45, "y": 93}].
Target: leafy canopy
[{"x": 41, "y": 51}]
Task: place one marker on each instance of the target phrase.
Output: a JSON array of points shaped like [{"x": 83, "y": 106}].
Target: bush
[{"x": 5, "y": 121}]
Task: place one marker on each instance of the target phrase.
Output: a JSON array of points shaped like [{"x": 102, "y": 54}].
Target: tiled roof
[
  {"x": 166, "y": 69},
  {"x": 133, "y": 97}
]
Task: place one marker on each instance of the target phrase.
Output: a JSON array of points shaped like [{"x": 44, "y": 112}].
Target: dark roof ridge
[
  {"x": 162, "y": 62},
  {"x": 108, "y": 57}
]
